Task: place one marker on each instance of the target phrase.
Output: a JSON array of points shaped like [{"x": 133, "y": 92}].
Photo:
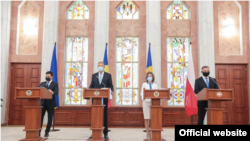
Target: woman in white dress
[{"x": 149, "y": 84}]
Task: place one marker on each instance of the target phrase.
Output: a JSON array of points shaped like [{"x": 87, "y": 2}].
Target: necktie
[
  {"x": 207, "y": 82},
  {"x": 47, "y": 84},
  {"x": 100, "y": 78}
]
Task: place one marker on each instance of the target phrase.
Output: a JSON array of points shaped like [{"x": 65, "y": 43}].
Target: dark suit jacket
[
  {"x": 51, "y": 103},
  {"x": 200, "y": 84},
  {"x": 106, "y": 81}
]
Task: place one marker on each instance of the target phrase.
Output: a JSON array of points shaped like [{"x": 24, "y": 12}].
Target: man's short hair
[
  {"x": 204, "y": 67},
  {"x": 101, "y": 62},
  {"x": 49, "y": 72}
]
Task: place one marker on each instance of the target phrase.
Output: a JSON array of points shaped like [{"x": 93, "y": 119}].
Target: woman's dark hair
[{"x": 153, "y": 76}]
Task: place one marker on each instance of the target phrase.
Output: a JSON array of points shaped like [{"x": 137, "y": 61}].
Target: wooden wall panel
[
  {"x": 120, "y": 116},
  {"x": 22, "y": 75},
  {"x": 234, "y": 77},
  {"x": 73, "y": 116}
]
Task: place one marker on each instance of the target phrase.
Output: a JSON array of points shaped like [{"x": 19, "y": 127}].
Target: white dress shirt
[
  {"x": 48, "y": 83},
  {"x": 204, "y": 78},
  {"x": 100, "y": 73}
]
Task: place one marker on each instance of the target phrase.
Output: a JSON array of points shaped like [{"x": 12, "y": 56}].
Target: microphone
[
  {"x": 215, "y": 82},
  {"x": 102, "y": 82},
  {"x": 158, "y": 84},
  {"x": 41, "y": 86}
]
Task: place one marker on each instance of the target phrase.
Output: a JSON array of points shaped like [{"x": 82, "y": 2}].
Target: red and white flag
[{"x": 190, "y": 98}]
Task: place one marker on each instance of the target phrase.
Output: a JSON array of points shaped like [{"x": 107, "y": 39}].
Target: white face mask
[
  {"x": 149, "y": 79},
  {"x": 100, "y": 69}
]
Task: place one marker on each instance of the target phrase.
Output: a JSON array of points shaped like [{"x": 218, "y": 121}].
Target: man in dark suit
[
  {"x": 99, "y": 80},
  {"x": 49, "y": 104},
  {"x": 204, "y": 82}
]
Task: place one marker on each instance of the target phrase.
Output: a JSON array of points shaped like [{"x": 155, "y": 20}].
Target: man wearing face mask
[
  {"x": 204, "y": 82},
  {"x": 48, "y": 104},
  {"x": 99, "y": 80}
]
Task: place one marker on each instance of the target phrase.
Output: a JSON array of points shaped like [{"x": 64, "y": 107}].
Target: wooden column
[
  {"x": 33, "y": 112},
  {"x": 156, "y": 120},
  {"x": 214, "y": 113},
  {"x": 97, "y": 119}
]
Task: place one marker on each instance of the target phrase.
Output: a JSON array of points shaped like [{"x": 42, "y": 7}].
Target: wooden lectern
[
  {"x": 97, "y": 110},
  {"x": 33, "y": 110},
  {"x": 214, "y": 98},
  {"x": 156, "y": 111}
]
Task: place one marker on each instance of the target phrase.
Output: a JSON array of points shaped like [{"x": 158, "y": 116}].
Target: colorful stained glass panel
[
  {"x": 135, "y": 75},
  {"x": 76, "y": 75},
  {"x": 67, "y": 97},
  {"x": 127, "y": 75},
  {"x": 178, "y": 97},
  {"x": 127, "y": 71},
  {"x": 77, "y": 49},
  {"x": 177, "y": 10},
  {"x": 135, "y": 97},
  {"x": 127, "y": 96},
  {"x": 75, "y": 96},
  {"x": 118, "y": 75},
  {"x": 171, "y": 101},
  {"x": 118, "y": 98},
  {"x": 78, "y": 10},
  {"x": 185, "y": 67},
  {"x": 127, "y": 10},
  {"x": 177, "y": 57},
  {"x": 76, "y": 69}
]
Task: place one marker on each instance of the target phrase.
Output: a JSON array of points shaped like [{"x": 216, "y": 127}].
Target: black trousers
[
  {"x": 201, "y": 114},
  {"x": 50, "y": 116},
  {"x": 105, "y": 102}
]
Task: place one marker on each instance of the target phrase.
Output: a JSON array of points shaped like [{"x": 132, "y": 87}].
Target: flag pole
[
  {"x": 191, "y": 99},
  {"x": 54, "y": 118}
]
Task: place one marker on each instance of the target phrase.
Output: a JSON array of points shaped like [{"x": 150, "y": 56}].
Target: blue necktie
[
  {"x": 207, "y": 83},
  {"x": 100, "y": 78}
]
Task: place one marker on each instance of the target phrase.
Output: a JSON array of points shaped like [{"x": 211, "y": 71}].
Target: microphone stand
[{"x": 53, "y": 130}]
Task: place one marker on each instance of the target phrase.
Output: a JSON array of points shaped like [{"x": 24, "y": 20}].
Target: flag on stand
[
  {"x": 149, "y": 61},
  {"x": 53, "y": 68},
  {"x": 106, "y": 69},
  {"x": 190, "y": 98}
]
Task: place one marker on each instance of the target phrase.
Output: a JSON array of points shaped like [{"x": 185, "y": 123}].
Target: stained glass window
[
  {"x": 127, "y": 71},
  {"x": 177, "y": 10},
  {"x": 127, "y": 10},
  {"x": 78, "y": 10},
  {"x": 177, "y": 63},
  {"x": 76, "y": 66}
]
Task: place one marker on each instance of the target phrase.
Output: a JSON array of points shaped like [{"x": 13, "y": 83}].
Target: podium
[
  {"x": 33, "y": 110},
  {"x": 214, "y": 98},
  {"x": 156, "y": 111},
  {"x": 97, "y": 111}
]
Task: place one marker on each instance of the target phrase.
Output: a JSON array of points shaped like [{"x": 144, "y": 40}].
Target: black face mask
[
  {"x": 47, "y": 79},
  {"x": 205, "y": 73}
]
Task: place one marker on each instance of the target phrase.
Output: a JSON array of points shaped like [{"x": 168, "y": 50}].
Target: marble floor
[{"x": 15, "y": 133}]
